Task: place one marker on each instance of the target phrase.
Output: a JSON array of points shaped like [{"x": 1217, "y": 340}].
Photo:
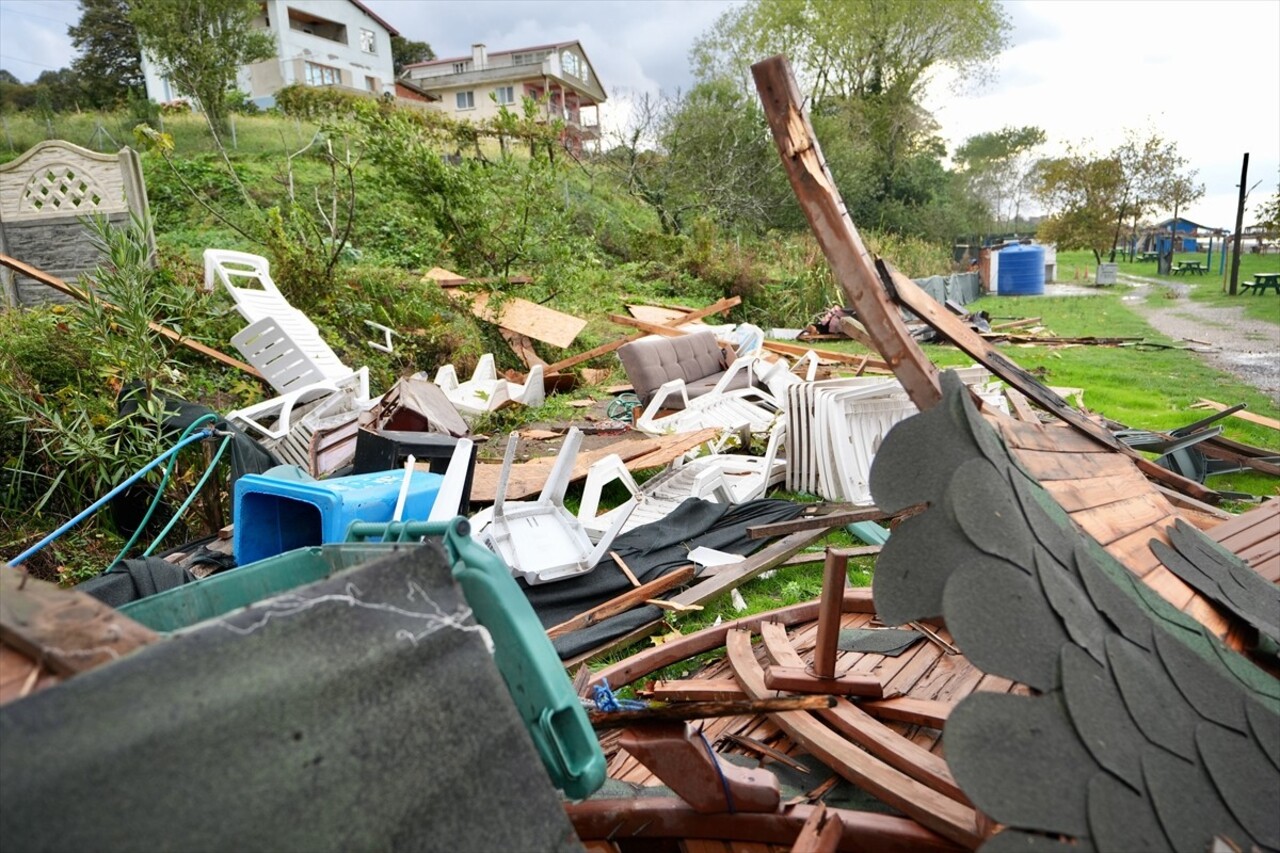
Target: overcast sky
[{"x": 1204, "y": 74}]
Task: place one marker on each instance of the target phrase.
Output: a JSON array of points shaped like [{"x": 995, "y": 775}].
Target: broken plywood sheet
[
  {"x": 444, "y": 277},
  {"x": 529, "y": 318},
  {"x": 657, "y": 314}
]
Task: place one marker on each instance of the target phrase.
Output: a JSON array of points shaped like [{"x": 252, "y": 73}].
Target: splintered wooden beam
[
  {"x": 76, "y": 293},
  {"x": 873, "y": 287},
  {"x": 708, "y": 710},
  {"x": 913, "y": 297},
  {"x": 851, "y": 263},
  {"x": 717, "y": 307},
  {"x": 622, "y": 603}
]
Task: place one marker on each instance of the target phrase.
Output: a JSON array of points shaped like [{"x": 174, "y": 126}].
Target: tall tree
[
  {"x": 405, "y": 52},
  {"x": 1081, "y": 191},
  {"x": 866, "y": 65},
  {"x": 200, "y": 45},
  {"x": 847, "y": 49},
  {"x": 1148, "y": 168},
  {"x": 998, "y": 166},
  {"x": 109, "y": 61}
]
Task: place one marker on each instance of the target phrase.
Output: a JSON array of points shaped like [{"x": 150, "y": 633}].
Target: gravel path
[{"x": 1226, "y": 339}]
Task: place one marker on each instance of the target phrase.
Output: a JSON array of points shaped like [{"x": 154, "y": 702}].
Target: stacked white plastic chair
[
  {"x": 540, "y": 540},
  {"x": 280, "y": 341}
]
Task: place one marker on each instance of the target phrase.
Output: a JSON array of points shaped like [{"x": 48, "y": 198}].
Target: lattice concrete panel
[{"x": 44, "y": 196}]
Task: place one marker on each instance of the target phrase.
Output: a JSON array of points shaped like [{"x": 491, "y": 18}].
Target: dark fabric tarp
[
  {"x": 134, "y": 579},
  {"x": 650, "y": 552}
]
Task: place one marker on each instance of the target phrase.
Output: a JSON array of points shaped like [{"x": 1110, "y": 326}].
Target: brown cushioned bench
[{"x": 697, "y": 359}]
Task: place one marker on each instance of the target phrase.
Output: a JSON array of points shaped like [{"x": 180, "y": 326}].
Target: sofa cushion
[{"x": 654, "y": 360}]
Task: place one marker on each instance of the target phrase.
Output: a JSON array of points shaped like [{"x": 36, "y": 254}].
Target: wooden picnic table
[
  {"x": 1263, "y": 280},
  {"x": 1148, "y": 256},
  {"x": 1190, "y": 266}
]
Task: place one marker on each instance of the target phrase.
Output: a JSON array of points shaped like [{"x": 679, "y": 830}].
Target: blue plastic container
[
  {"x": 275, "y": 515},
  {"x": 1021, "y": 271}
]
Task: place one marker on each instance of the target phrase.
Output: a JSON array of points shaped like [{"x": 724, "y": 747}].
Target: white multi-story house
[
  {"x": 318, "y": 43},
  {"x": 557, "y": 75}
]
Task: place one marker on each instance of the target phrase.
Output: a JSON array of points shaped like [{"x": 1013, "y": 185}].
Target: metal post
[{"x": 1235, "y": 249}]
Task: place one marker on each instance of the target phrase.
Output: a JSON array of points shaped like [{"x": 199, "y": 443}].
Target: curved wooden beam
[
  {"x": 637, "y": 666},
  {"x": 865, "y": 730},
  {"x": 914, "y": 799},
  {"x": 668, "y": 817}
]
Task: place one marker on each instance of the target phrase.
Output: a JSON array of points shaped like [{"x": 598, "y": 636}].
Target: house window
[
  {"x": 505, "y": 94},
  {"x": 322, "y": 75},
  {"x": 569, "y": 63},
  {"x": 368, "y": 41},
  {"x": 371, "y": 83},
  {"x": 466, "y": 100}
]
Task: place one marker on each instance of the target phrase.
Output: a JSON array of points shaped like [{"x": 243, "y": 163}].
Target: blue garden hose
[{"x": 186, "y": 438}]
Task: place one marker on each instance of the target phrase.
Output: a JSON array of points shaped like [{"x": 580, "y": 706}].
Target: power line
[
  {"x": 30, "y": 62},
  {"x": 9, "y": 10}
]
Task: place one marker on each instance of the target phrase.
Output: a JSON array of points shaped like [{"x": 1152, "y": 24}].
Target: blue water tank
[{"x": 1021, "y": 271}]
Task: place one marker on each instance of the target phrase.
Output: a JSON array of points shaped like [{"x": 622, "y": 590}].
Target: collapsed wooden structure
[{"x": 888, "y": 742}]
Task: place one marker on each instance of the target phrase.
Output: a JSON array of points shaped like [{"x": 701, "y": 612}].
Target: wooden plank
[
  {"x": 695, "y": 690},
  {"x": 528, "y": 478},
  {"x": 164, "y": 331},
  {"x": 622, "y": 603},
  {"x": 720, "y": 306},
  {"x": 670, "y": 448},
  {"x": 1045, "y": 465},
  {"x": 860, "y": 361},
  {"x": 818, "y": 522},
  {"x": 904, "y": 709},
  {"x": 659, "y": 314},
  {"x": 707, "y": 710},
  {"x": 1252, "y": 418},
  {"x": 1266, "y": 516},
  {"x": 914, "y": 799},
  {"x": 854, "y": 723},
  {"x": 639, "y": 665},
  {"x": 761, "y": 561},
  {"x": 1123, "y": 518},
  {"x": 1021, "y": 408},
  {"x": 646, "y": 326},
  {"x": 1170, "y": 587},
  {"x": 69, "y": 631},
  {"x": 798, "y": 679},
  {"x": 1077, "y": 495},
  {"x": 1044, "y": 437}
]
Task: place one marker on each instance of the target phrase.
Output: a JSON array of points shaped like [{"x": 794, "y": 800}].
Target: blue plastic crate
[{"x": 274, "y": 515}]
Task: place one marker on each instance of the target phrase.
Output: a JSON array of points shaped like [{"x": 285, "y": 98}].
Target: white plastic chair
[
  {"x": 485, "y": 391},
  {"x": 540, "y": 540},
  {"x": 748, "y": 408},
  {"x": 720, "y": 478}
]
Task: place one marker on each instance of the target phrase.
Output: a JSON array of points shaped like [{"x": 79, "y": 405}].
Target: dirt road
[{"x": 1225, "y": 338}]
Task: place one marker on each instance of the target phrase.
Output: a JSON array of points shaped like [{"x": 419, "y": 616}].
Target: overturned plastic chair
[
  {"x": 540, "y": 540},
  {"x": 721, "y": 478},
  {"x": 485, "y": 391}
]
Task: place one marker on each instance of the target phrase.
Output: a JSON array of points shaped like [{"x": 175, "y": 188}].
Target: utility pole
[{"x": 1235, "y": 249}]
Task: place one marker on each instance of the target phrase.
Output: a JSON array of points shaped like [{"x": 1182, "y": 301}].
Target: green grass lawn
[{"x": 1210, "y": 288}]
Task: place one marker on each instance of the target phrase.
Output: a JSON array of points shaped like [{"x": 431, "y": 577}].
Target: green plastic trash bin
[{"x": 535, "y": 678}]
